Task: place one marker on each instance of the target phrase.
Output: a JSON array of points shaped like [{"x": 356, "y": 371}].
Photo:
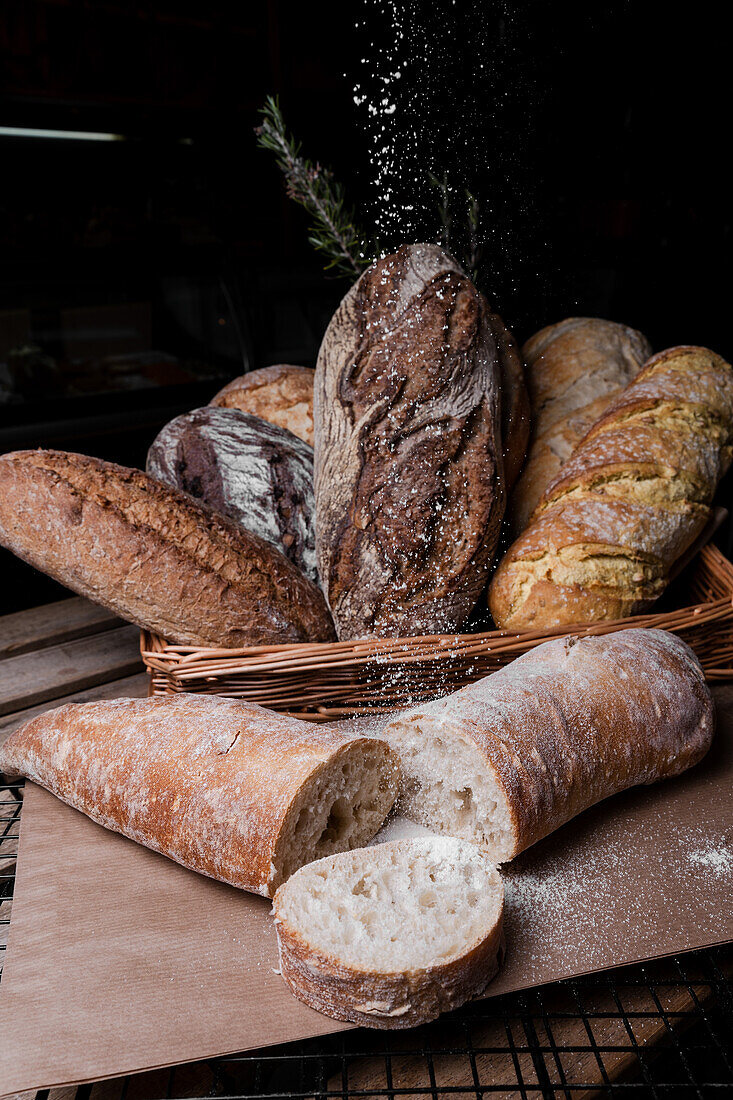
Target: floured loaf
[
  {"x": 506, "y": 760},
  {"x": 222, "y": 786},
  {"x": 408, "y": 457}
]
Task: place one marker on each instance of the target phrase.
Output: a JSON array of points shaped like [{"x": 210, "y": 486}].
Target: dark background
[{"x": 595, "y": 136}]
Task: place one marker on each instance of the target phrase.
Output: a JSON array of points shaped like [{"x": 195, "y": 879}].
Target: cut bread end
[
  {"x": 450, "y": 786},
  {"x": 393, "y": 935},
  {"x": 342, "y": 806}
]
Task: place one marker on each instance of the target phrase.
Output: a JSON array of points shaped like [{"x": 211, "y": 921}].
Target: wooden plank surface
[
  {"x": 58, "y": 670},
  {"x": 133, "y": 687},
  {"x": 52, "y": 624}
]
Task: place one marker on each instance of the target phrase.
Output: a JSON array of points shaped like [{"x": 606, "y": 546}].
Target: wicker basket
[{"x": 334, "y": 679}]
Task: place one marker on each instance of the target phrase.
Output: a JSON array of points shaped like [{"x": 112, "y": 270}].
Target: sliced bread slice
[{"x": 393, "y": 935}]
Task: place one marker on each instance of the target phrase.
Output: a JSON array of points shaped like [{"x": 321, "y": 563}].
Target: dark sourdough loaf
[
  {"x": 574, "y": 370},
  {"x": 259, "y": 475},
  {"x": 152, "y": 554},
  {"x": 408, "y": 469}
]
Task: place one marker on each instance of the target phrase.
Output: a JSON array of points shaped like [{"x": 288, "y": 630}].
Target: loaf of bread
[
  {"x": 282, "y": 395},
  {"x": 408, "y": 462},
  {"x": 259, "y": 475},
  {"x": 515, "y": 419},
  {"x": 574, "y": 369},
  {"x": 152, "y": 554},
  {"x": 508, "y": 759},
  {"x": 221, "y": 786},
  {"x": 391, "y": 936},
  {"x": 633, "y": 497}
]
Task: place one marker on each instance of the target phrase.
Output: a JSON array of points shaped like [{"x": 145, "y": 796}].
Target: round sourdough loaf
[
  {"x": 393, "y": 935},
  {"x": 257, "y": 474},
  {"x": 408, "y": 457},
  {"x": 281, "y": 394},
  {"x": 152, "y": 554},
  {"x": 506, "y": 760}
]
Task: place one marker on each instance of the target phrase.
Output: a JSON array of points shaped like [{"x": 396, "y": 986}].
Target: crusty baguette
[
  {"x": 393, "y": 935},
  {"x": 282, "y": 395},
  {"x": 257, "y": 474},
  {"x": 515, "y": 420},
  {"x": 574, "y": 370},
  {"x": 223, "y": 787},
  {"x": 632, "y": 498},
  {"x": 152, "y": 554},
  {"x": 408, "y": 463},
  {"x": 508, "y": 759}
]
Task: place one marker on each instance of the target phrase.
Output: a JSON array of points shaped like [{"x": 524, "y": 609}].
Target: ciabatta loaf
[
  {"x": 152, "y": 554},
  {"x": 506, "y": 760},
  {"x": 408, "y": 457},
  {"x": 257, "y": 474},
  {"x": 393, "y": 935},
  {"x": 574, "y": 370},
  {"x": 224, "y": 787},
  {"x": 633, "y": 497},
  {"x": 282, "y": 395}
]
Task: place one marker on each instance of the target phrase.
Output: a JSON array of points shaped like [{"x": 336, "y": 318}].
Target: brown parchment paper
[{"x": 119, "y": 960}]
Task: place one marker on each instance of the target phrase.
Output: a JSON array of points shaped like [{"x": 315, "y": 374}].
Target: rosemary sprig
[
  {"x": 475, "y": 249},
  {"x": 333, "y": 230},
  {"x": 444, "y": 208}
]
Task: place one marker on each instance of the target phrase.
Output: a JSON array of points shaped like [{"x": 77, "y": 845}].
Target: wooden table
[{"x": 73, "y": 651}]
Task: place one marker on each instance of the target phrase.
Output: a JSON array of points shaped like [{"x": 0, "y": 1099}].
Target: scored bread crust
[
  {"x": 152, "y": 554},
  {"x": 632, "y": 498},
  {"x": 409, "y": 478},
  {"x": 571, "y": 723},
  {"x": 387, "y": 1000},
  {"x": 574, "y": 370},
  {"x": 281, "y": 394},
  {"x": 211, "y": 783}
]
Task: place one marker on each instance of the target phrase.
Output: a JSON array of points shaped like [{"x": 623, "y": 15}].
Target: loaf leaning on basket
[
  {"x": 633, "y": 497},
  {"x": 221, "y": 786},
  {"x": 506, "y": 760},
  {"x": 408, "y": 457},
  {"x": 152, "y": 554},
  {"x": 574, "y": 370}
]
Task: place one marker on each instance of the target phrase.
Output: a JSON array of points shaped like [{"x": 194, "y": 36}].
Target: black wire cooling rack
[{"x": 660, "y": 1030}]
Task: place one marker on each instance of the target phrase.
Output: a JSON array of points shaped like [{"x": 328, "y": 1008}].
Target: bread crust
[
  {"x": 632, "y": 498},
  {"x": 208, "y": 782},
  {"x": 574, "y": 370},
  {"x": 152, "y": 554},
  {"x": 257, "y": 474},
  {"x": 386, "y": 1000},
  {"x": 408, "y": 465},
  {"x": 281, "y": 394},
  {"x": 577, "y": 720}
]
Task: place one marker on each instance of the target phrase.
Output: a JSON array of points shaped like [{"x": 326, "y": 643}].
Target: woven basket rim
[{"x": 154, "y": 648}]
